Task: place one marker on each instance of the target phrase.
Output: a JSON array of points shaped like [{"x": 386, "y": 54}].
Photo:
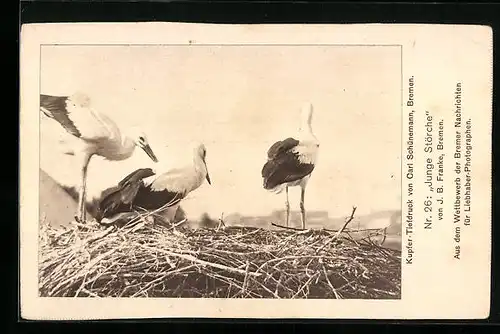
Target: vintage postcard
[{"x": 255, "y": 171}]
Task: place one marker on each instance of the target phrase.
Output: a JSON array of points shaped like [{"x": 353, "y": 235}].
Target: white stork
[
  {"x": 97, "y": 135},
  {"x": 291, "y": 161},
  {"x": 161, "y": 192}
]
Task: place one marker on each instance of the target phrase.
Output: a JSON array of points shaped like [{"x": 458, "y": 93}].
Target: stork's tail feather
[
  {"x": 120, "y": 218},
  {"x": 267, "y": 172},
  {"x": 276, "y": 189}
]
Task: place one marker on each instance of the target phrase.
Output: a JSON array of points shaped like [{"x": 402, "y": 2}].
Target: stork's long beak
[
  {"x": 149, "y": 152},
  {"x": 208, "y": 175}
]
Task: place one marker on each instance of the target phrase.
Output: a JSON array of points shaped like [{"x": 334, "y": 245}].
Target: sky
[{"x": 238, "y": 100}]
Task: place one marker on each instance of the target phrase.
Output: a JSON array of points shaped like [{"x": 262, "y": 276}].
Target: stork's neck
[
  {"x": 128, "y": 146},
  {"x": 199, "y": 165},
  {"x": 306, "y": 131}
]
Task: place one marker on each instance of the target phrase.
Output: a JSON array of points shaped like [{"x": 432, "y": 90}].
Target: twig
[
  {"x": 98, "y": 236},
  {"x": 150, "y": 284},
  {"x": 90, "y": 293},
  {"x": 291, "y": 257},
  {"x": 351, "y": 230},
  {"x": 81, "y": 286},
  {"x": 180, "y": 222},
  {"x": 221, "y": 222},
  {"x": 326, "y": 244},
  {"x": 304, "y": 285},
  {"x": 288, "y": 228},
  {"x": 351, "y": 238},
  {"x": 245, "y": 281},
  {"x": 347, "y": 222},
  {"x": 84, "y": 271},
  {"x": 267, "y": 289},
  {"x": 205, "y": 263}
]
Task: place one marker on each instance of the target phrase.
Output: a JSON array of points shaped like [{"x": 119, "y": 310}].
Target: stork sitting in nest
[{"x": 144, "y": 189}]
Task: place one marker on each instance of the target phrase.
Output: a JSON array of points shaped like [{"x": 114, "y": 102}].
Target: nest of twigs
[{"x": 149, "y": 260}]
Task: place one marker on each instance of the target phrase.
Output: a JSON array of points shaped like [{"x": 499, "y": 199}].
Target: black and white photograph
[
  {"x": 231, "y": 171},
  {"x": 212, "y": 170}
]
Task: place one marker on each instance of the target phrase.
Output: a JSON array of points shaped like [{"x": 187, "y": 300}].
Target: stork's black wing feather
[
  {"x": 55, "y": 107},
  {"x": 284, "y": 168},
  {"x": 138, "y": 174},
  {"x": 150, "y": 199},
  {"x": 281, "y": 147},
  {"x": 119, "y": 199}
]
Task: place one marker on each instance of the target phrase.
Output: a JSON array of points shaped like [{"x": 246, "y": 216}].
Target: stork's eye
[{"x": 141, "y": 138}]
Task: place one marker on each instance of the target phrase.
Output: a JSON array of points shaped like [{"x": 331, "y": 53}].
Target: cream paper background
[{"x": 435, "y": 286}]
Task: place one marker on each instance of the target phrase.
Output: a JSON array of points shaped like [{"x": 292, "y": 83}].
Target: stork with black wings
[
  {"x": 120, "y": 199},
  {"x": 290, "y": 162},
  {"x": 96, "y": 134},
  {"x": 162, "y": 193}
]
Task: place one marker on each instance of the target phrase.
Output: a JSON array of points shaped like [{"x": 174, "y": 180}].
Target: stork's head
[
  {"x": 141, "y": 140},
  {"x": 80, "y": 99},
  {"x": 201, "y": 152}
]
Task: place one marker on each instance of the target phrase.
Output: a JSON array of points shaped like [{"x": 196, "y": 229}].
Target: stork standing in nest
[
  {"x": 291, "y": 161},
  {"x": 97, "y": 134},
  {"x": 143, "y": 189}
]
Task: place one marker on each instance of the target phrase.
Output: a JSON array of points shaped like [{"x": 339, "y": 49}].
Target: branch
[
  {"x": 346, "y": 223},
  {"x": 353, "y": 230},
  {"x": 97, "y": 236},
  {"x": 202, "y": 262},
  {"x": 288, "y": 228}
]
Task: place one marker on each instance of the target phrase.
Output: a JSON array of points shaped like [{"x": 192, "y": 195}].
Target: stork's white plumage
[
  {"x": 290, "y": 162},
  {"x": 97, "y": 134},
  {"x": 161, "y": 193}
]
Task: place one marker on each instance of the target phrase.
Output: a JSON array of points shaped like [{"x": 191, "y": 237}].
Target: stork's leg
[
  {"x": 81, "y": 211},
  {"x": 287, "y": 205},
  {"x": 302, "y": 208}
]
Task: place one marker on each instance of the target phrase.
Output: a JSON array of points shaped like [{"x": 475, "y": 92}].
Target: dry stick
[
  {"x": 347, "y": 222},
  {"x": 231, "y": 282},
  {"x": 326, "y": 244},
  {"x": 182, "y": 251},
  {"x": 90, "y": 293},
  {"x": 278, "y": 284},
  {"x": 205, "y": 263},
  {"x": 90, "y": 240},
  {"x": 352, "y": 239},
  {"x": 245, "y": 281},
  {"x": 81, "y": 286},
  {"x": 150, "y": 284},
  {"x": 99, "y": 236},
  {"x": 267, "y": 289},
  {"x": 289, "y": 257},
  {"x": 288, "y": 228},
  {"x": 87, "y": 267},
  {"x": 177, "y": 224},
  {"x": 221, "y": 222},
  {"x": 338, "y": 233},
  {"x": 381, "y": 249},
  {"x": 305, "y": 284},
  {"x": 384, "y": 233},
  {"x": 351, "y": 230},
  {"x": 385, "y": 292}
]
